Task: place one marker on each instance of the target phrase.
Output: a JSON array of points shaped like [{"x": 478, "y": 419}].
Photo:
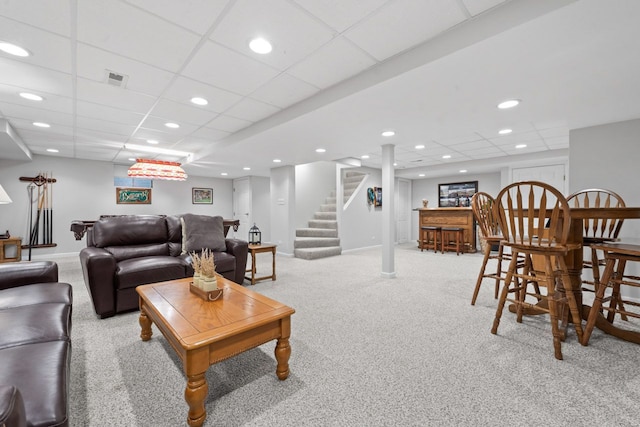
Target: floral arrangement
[{"x": 204, "y": 268}]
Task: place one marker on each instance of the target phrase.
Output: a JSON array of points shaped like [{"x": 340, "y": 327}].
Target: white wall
[
  {"x": 361, "y": 223},
  {"x": 607, "y": 156},
  {"x": 314, "y": 183},
  {"x": 84, "y": 190},
  {"x": 261, "y": 206},
  {"x": 283, "y": 201}
]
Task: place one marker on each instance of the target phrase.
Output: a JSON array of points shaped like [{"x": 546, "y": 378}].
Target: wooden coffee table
[{"x": 206, "y": 332}]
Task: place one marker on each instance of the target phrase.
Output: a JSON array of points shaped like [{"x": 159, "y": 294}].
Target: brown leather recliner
[
  {"x": 35, "y": 345},
  {"x": 125, "y": 251}
]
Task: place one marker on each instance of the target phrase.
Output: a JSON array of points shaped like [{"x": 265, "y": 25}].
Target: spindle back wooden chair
[
  {"x": 534, "y": 218},
  {"x": 482, "y": 207},
  {"x": 596, "y": 230}
]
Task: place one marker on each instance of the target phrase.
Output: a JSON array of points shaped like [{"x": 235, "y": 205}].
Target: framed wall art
[
  {"x": 133, "y": 196},
  {"x": 456, "y": 194},
  {"x": 201, "y": 196}
]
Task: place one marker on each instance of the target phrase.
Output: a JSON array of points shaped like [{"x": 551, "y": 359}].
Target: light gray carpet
[{"x": 366, "y": 351}]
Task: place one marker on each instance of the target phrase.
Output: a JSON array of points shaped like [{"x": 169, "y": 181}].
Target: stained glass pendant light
[{"x": 157, "y": 169}]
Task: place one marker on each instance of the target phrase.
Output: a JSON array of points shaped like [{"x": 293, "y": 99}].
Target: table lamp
[{"x": 4, "y": 199}]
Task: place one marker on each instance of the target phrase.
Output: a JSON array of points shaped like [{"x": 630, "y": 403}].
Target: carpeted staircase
[{"x": 320, "y": 239}]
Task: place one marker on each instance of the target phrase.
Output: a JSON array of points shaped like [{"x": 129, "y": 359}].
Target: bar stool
[
  {"x": 429, "y": 238},
  {"x": 452, "y": 238},
  {"x": 617, "y": 256}
]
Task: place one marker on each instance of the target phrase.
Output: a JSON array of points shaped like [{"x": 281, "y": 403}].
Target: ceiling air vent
[{"x": 116, "y": 79}]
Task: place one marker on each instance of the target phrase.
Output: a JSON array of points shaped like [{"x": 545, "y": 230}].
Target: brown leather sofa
[
  {"x": 125, "y": 251},
  {"x": 35, "y": 345}
]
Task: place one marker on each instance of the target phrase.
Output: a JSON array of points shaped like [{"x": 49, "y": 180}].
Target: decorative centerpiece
[
  {"x": 205, "y": 279},
  {"x": 425, "y": 202}
]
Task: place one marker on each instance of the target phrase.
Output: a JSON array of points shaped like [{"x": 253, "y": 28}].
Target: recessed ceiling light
[
  {"x": 246, "y": 168},
  {"x": 505, "y": 131},
  {"x": 224, "y": 173},
  {"x": 388, "y": 133},
  {"x": 199, "y": 101},
  {"x": 277, "y": 160},
  {"x": 31, "y": 96},
  {"x": 52, "y": 150},
  {"x": 13, "y": 49},
  {"x": 446, "y": 156},
  {"x": 419, "y": 147},
  {"x": 320, "y": 150},
  {"x": 152, "y": 141},
  {"x": 508, "y": 104},
  {"x": 132, "y": 159},
  {"x": 172, "y": 125},
  {"x": 395, "y": 164},
  {"x": 420, "y": 174},
  {"x": 365, "y": 156},
  {"x": 463, "y": 171},
  {"x": 260, "y": 45},
  {"x": 41, "y": 125},
  {"x": 521, "y": 145}
]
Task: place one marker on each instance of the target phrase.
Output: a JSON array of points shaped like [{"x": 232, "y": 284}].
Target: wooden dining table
[{"x": 574, "y": 261}]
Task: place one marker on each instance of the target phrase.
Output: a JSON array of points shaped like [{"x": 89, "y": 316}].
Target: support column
[{"x": 388, "y": 209}]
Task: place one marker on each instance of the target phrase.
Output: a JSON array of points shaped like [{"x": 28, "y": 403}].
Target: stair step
[
  {"x": 316, "y": 232},
  {"x": 315, "y": 253},
  {"x": 330, "y": 200},
  {"x": 323, "y": 223},
  {"x": 325, "y": 215},
  {"x": 315, "y": 242},
  {"x": 328, "y": 208},
  {"x": 351, "y": 174},
  {"x": 350, "y": 186}
]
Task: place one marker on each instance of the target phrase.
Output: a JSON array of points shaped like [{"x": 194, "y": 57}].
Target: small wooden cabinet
[{"x": 450, "y": 217}]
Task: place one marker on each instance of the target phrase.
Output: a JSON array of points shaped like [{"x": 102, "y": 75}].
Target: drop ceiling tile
[
  {"x": 192, "y": 144},
  {"x": 10, "y": 94},
  {"x": 25, "y": 77},
  {"x": 239, "y": 74},
  {"x": 93, "y": 137},
  {"x": 283, "y": 91},
  {"x": 228, "y": 123},
  {"x": 315, "y": 70},
  {"x": 164, "y": 138},
  {"x": 209, "y": 134},
  {"x": 183, "y": 89},
  {"x": 181, "y": 113},
  {"x": 458, "y": 139},
  {"x": 474, "y": 145},
  {"x": 402, "y": 24},
  {"x": 554, "y": 132},
  {"x": 24, "y": 127},
  {"x": 102, "y": 93},
  {"x": 47, "y": 50},
  {"x": 101, "y": 125},
  {"x": 32, "y": 114},
  {"x": 557, "y": 142},
  {"x": 195, "y": 15},
  {"x": 134, "y": 33},
  {"x": 103, "y": 112},
  {"x": 340, "y": 14},
  {"x": 157, "y": 123},
  {"x": 478, "y": 6},
  {"x": 484, "y": 153},
  {"x": 93, "y": 65},
  {"x": 292, "y": 32},
  {"x": 252, "y": 110},
  {"x": 51, "y": 15}
]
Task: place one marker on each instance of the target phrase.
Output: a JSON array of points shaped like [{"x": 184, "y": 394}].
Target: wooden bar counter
[{"x": 450, "y": 217}]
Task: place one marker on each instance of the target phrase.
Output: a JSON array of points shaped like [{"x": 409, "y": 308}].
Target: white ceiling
[{"x": 340, "y": 73}]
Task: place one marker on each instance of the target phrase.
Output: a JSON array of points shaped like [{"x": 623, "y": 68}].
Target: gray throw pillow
[{"x": 202, "y": 232}]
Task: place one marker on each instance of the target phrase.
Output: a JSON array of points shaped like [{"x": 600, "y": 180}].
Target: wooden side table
[
  {"x": 256, "y": 249},
  {"x": 11, "y": 241}
]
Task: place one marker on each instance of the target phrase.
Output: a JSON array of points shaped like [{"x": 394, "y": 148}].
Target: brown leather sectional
[
  {"x": 125, "y": 251},
  {"x": 35, "y": 345}
]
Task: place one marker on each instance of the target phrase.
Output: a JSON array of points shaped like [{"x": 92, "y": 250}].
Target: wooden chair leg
[
  {"x": 553, "y": 314},
  {"x": 487, "y": 253},
  {"x": 503, "y": 295},
  {"x": 594, "y": 312}
]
